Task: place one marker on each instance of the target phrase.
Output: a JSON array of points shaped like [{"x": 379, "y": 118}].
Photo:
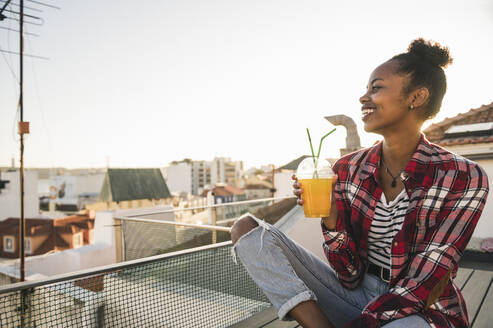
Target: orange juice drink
[
  {"x": 315, "y": 176},
  {"x": 316, "y": 197}
]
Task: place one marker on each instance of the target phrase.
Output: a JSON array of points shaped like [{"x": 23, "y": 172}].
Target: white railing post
[
  {"x": 214, "y": 232},
  {"x": 119, "y": 239}
]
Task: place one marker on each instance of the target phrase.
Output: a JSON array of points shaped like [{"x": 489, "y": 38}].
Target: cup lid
[{"x": 306, "y": 169}]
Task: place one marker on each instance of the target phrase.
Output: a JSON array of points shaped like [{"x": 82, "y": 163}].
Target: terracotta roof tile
[
  {"x": 221, "y": 192},
  {"x": 436, "y": 132},
  {"x": 224, "y": 191},
  {"x": 46, "y": 246},
  {"x": 233, "y": 190},
  {"x": 53, "y": 228}
]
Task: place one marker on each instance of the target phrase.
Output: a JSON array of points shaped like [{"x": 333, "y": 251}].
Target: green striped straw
[
  {"x": 320, "y": 145},
  {"x": 311, "y": 146},
  {"x": 315, "y": 158},
  {"x": 315, "y": 172}
]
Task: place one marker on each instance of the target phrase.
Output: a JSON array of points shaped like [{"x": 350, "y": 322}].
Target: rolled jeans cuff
[{"x": 290, "y": 304}]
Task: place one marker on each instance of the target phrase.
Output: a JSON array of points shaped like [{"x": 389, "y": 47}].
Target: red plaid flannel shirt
[{"x": 447, "y": 194}]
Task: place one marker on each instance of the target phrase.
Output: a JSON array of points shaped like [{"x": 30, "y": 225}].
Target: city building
[
  {"x": 10, "y": 191},
  {"x": 100, "y": 244},
  {"x": 223, "y": 194},
  {"x": 224, "y": 170},
  {"x": 201, "y": 176},
  {"x": 132, "y": 188},
  {"x": 133, "y": 184},
  {"x": 73, "y": 192},
  {"x": 179, "y": 176},
  {"x": 194, "y": 176},
  {"x": 256, "y": 188},
  {"x": 45, "y": 234},
  {"x": 189, "y": 176}
]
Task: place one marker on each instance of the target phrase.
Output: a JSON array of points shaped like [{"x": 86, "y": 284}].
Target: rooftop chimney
[{"x": 352, "y": 137}]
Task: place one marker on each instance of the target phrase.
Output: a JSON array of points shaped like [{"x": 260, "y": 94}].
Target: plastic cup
[{"x": 316, "y": 181}]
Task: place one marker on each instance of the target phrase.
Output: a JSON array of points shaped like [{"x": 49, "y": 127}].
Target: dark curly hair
[{"x": 424, "y": 61}]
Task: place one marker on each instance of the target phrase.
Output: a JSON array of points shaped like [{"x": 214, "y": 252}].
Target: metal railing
[
  {"x": 200, "y": 287},
  {"x": 184, "y": 286},
  {"x": 243, "y": 202},
  {"x": 141, "y": 236}
]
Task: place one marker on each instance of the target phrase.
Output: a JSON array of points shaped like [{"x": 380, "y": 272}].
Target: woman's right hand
[
  {"x": 330, "y": 221},
  {"x": 297, "y": 189}
]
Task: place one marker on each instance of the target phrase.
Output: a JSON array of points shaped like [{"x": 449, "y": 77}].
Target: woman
[{"x": 404, "y": 212}]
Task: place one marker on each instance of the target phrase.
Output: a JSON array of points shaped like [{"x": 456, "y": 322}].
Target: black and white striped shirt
[{"x": 386, "y": 223}]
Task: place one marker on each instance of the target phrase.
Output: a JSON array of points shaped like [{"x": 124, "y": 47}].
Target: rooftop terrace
[{"x": 199, "y": 287}]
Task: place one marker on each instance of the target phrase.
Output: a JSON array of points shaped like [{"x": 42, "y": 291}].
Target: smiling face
[{"x": 385, "y": 103}]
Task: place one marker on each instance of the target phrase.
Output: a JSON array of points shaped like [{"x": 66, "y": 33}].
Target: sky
[{"x": 143, "y": 83}]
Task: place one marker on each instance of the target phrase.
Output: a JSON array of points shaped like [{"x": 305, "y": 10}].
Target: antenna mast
[{"x": 23, "y": 127}]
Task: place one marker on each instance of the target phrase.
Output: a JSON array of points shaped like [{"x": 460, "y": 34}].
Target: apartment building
[
  {"x": 10, "y": 190},
  {"x": 194, "y": 176},
  {"x": 45, "y": 234}
]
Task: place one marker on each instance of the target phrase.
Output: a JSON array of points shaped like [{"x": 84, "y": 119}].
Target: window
[
  {"x": 77, "y": 240},
  {"x": 27, "y": 246},
  {"x": 4, "y": 185},
  {"x": 8, "y": 244}
]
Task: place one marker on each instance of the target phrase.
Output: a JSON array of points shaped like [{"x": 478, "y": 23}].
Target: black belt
[{"x": 378, "y": 271}]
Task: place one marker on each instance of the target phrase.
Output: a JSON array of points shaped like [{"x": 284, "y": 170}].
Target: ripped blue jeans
[{"x": 288, "y": 274}]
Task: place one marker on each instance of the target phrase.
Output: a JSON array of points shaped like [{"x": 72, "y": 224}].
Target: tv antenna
[
  {"x": 10, "y": 13},
  {"x": 9, "y": 10}
]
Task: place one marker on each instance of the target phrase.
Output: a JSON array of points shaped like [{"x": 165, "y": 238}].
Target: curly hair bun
[{"x": 431, "y": 52}]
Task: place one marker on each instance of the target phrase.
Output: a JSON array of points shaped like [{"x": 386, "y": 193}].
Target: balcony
[
  {"x": 199, "y": 287},
  {"x": 180, "y": 274},
  {"x": 167, "y": 277}
]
